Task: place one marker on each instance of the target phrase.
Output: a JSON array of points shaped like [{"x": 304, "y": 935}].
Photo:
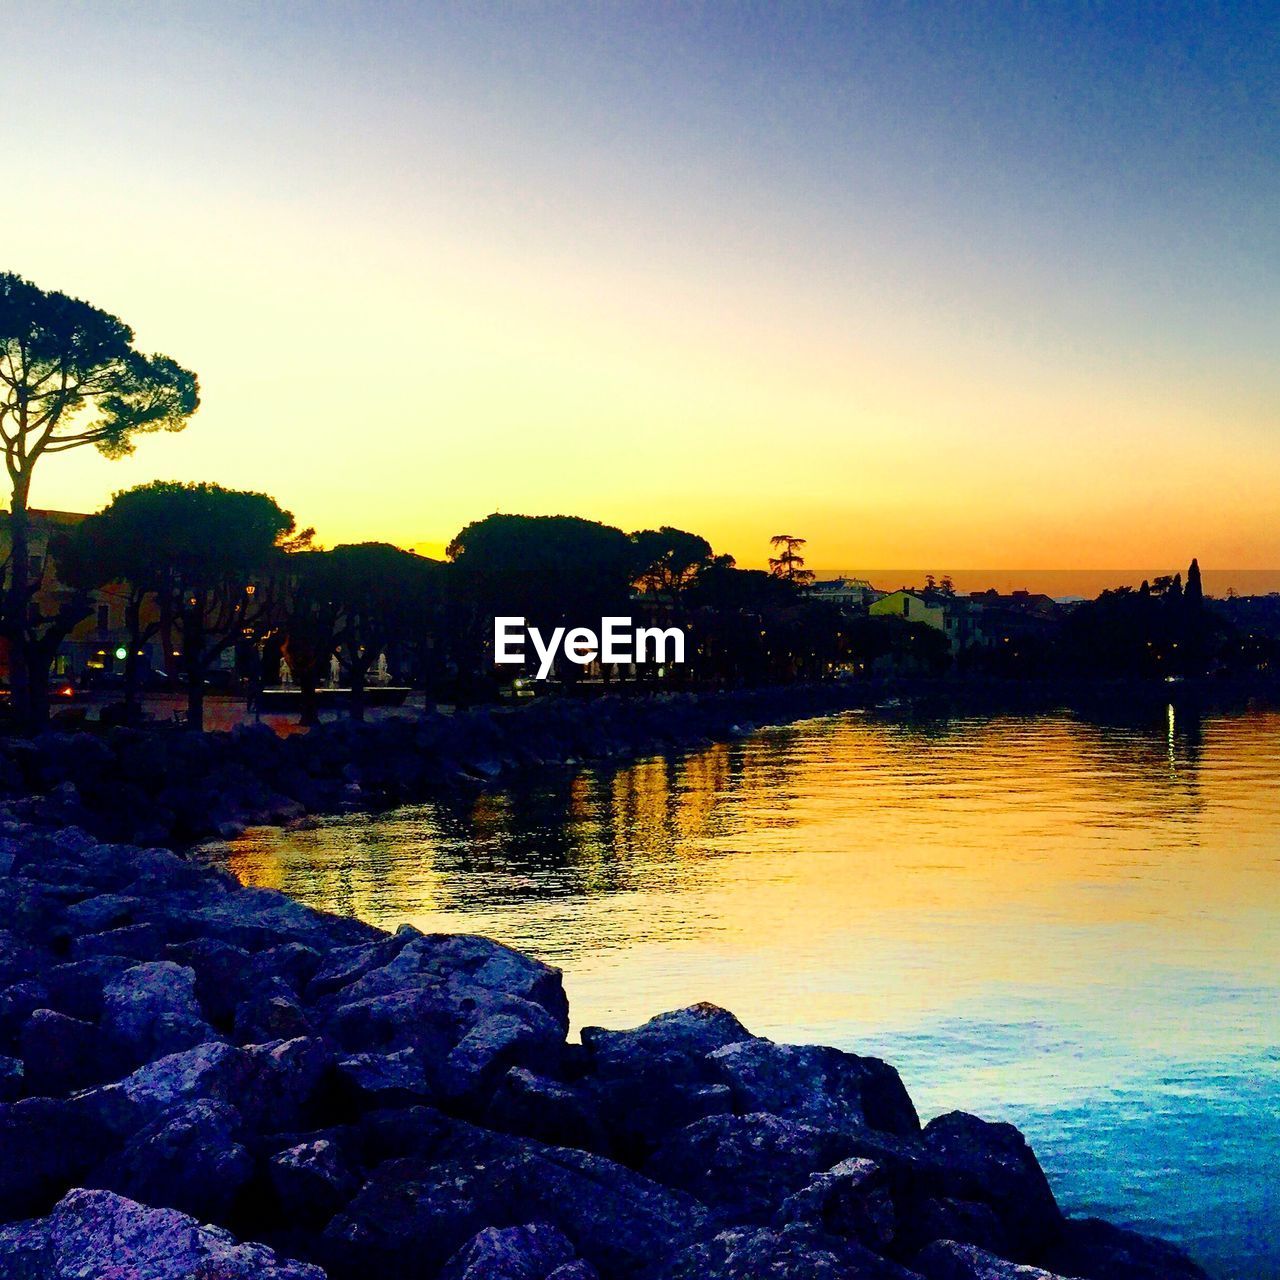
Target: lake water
[{"x": 1070, "y": 926}]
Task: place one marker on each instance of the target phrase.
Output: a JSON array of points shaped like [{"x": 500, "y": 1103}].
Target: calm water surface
[{"x": 1069, "y": 926}]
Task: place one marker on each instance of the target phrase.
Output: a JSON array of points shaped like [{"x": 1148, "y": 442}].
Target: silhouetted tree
[
  {"x": 115, "y": 550},
  {"x": 1195, "y": 592},
  {"x": 551, "y": 570},
  {"x": 789, "y": 563},
  {"x": 208, "y": 557},
  {"x": 669, "y": 560},
  {"x": 381, "y": 592},
  {"x": 69, "y": 377}
]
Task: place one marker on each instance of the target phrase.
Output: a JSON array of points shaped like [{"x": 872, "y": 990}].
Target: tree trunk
[
  {"x": 357, "y": 688},
  {"x": 16, "y": 604},
  {"x": 309, "y": 704},
  {"x": 133, "y": 623},
  {"x": 193, "y": 661}
]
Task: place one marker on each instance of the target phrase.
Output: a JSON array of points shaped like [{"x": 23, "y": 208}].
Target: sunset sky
[{"x": 944, "y": 285}]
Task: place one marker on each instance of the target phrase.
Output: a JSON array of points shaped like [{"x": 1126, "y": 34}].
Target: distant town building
[
  {"x": 911, "y": 606},
  {"x": 849, "y": 593},
  {"x": 97, "y": 646}
]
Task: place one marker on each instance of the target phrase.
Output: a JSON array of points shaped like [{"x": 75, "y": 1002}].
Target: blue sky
[{"x": 623, "y": 259}]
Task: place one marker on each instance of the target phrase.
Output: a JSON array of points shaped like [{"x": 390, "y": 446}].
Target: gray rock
[
  {"x": 12, "y": 1078},
  {"x": 222, "y": 973},
  {"x": 413, "y": 1214},
  {"x": 341, "y": 966},
  {"x": 24, "y": 1250},
  {"x": 75, "y": 988},
  {"x": 672, "y": 1046},
  {"x": 510, "y": 1253},
  {"x": 744, "y": 1167},
  {"x": 537, "y": 1107},
  {"x": 463, "y": 968},
  {"x": 312, "y": 1180},
  {"x": 255, "y": 919},
  {"x": 18, "y": 1002},
  {"x": 495, "y": 1043},
  {"x": 61, "y": 1053},
  {"x": 291, "y": 963},
  {"x": 816, "y": 1085},
  {"x": 995, "y": 1164},
  {"x": 271, "y": 1012},
  {"x": 289, "y": 1076},
  {"x": 135, "y": 941},
  {"x": 189, "y": 1158},
  {"x": 151, "y": 1010},
  {"x": 1101, "y": 1251},
  {"x": 794, "y": 1252},
  {"x": 214, "y": 1071},
  {"x": 850, "y": 1200},
  {"x": 639, "y": 1113},
  {"x": 101, "y": 1234},
  {"x": 942, "y": 1218},
  {"x": 395, "y": 1079},
  {"x": 105, "y": 911},
  {"x": 948, "y": 1260},
  {"x": 46, "y": 1146}
]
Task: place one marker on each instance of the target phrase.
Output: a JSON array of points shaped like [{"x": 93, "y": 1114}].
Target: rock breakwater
[
  {"x": 168, "y": 787},
  {"x": 199, "y": 1079}
]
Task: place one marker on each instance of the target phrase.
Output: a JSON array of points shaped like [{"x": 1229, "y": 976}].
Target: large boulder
[
  {"x": 76, "y": 987},
  {"x": 255, "y": 919},
  {"x": 816, "y": 1085},
  {"x": 12, "y": 1078},
  {"x": 672, "y": 1046},
  {"x": 949, "y": 1260},
  {"x": 493, "y": 1044},
  {"x": 926, "y": 1219},
  {"x": 413, "y": 1214},
  {"x": 529, "y": 1252},
  {"x": 60, "y": 1054},
  {"x": 46, "y": 1146},
  {"x": 271, "y": 1012},
  {"x": 214, "y": 1071},
  {"x": 744, "y": 1167},
  {"x": 312, "y": 1180},
  {"x": 105, "y": 911},
  {"x": 994, "y": 1163},
  {"x": 370, "y": 1080},
  {"x": 498, "y": 1008},
  {"x": 658, "y": 1078},
  {"x": 793, "y": 1252},
  {"x": 222, "y": 974},
  {"x": 101, "y": 1234},
  {"x": 850, "y": 1200},
  {"x": 151, "y": 1010},
  {"x": 189, "y": 1158},
  {"x": 341, "y": 966},
  {"x": 139, "y": 942},
  {"x": 1098, "y": 1250},
  {"x": 534, "y": 1106}
]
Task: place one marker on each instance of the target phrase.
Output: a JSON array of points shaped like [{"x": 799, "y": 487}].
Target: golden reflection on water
[
  {"x": 849, "y": 874},
  {"x": 1071, "y": 925}
]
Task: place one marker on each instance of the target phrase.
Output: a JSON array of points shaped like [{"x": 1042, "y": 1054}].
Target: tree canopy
[{"x": 70, "y": 377}]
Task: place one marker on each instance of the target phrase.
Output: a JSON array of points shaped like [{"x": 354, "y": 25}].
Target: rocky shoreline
[
  {"x": 201, "y": 1079},
  {"x": 168, "y": 787}
]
